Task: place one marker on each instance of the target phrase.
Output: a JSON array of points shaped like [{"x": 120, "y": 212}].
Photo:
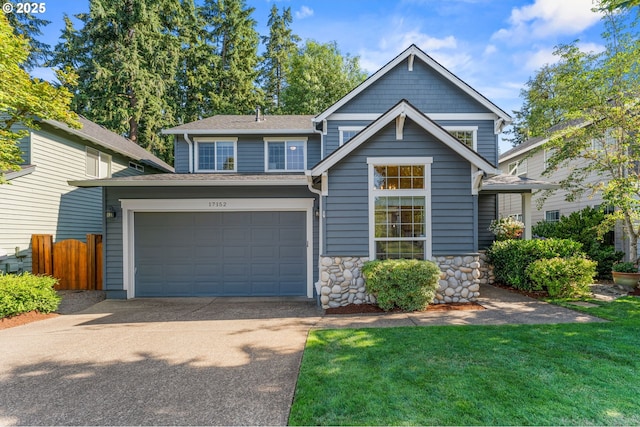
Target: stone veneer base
[{"x": 341, "y": 281}]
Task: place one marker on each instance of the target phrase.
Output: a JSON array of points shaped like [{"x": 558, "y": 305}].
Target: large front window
[
  {"x": 216, "y": 156},
  {"x": 399, "y": 204},
  {"x": 287, "y": 155}
]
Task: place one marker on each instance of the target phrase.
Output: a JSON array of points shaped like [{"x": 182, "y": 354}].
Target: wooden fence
[{"x": 75, "y": 264}]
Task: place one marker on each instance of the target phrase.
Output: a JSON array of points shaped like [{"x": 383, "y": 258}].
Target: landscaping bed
[{"x": 374, "y": 309}]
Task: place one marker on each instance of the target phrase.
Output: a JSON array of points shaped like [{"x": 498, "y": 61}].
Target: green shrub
[
  {"x": 405, "y": 283},
  {"x": 563, "y": 277},
  {"x": 510, "y": 258},
  {"x": 624, "y": 267},
  {"x": 582, "y": 226},
  {"x": 26, "y": 292}
]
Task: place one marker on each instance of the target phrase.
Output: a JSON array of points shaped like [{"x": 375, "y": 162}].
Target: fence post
[
  {"x": 94, "y": 259},
  {"x": 41, "y": 254}
]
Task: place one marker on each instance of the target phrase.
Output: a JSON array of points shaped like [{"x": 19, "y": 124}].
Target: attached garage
[
  {"x": 217, "y": 247},
  {"x": 220, "y": 254}
]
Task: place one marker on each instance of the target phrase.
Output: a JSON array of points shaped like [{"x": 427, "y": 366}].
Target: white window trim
[
  {"x": 426, "y": 192},
  {"x": 267, "y": 140},
  {"x": 342, "y": 129},
  {"x": 196, "y": 153},
  {"x": 103, "y": 158},
  {"x": 131, "y": 206},
  {"x": 136, "y": 166},
  {"x": 550, "y": 211},
  {"x": 473, "y": 129}
]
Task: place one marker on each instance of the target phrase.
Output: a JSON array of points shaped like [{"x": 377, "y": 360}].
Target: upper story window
[
  {"x": 518, "y": 168},
  {"x": 98, "y": 164},
  {"x": 283, "y": 154},
  {"x": 465, "y": 134},
  {"x": 348, "y": 132},
  {"x": 216, "y": 155}
]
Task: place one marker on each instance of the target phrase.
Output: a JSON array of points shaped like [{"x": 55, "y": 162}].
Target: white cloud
[
  {"x": 490, "y": 50},
  {"x": 304, "y": 12},
  {"x": 547, "y": 18}
]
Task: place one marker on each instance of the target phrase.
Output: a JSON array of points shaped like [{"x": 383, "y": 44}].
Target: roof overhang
[
  {"x": 195, "y": 180},
  {"x": 504, "y": 183},
  {"x": 236, "y": 132},
  {"x": 409, "y": 55},
  {"x": 404, "y": 110},
  {"x": 24, "y": 170}
]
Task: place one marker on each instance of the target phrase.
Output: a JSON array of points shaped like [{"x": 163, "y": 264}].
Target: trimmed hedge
[
  {"x": 408, "y": 284},
  {"x": 563, "y": 277},
  {"x": 26, "y": 292},
  {"x": 510, "y": 258}
]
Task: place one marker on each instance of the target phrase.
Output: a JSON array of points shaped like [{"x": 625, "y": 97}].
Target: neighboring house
[
  {"x": 38, "y": 199},
  {"x": 528, "y": 160},
  {"x": 405, "y": 165}
]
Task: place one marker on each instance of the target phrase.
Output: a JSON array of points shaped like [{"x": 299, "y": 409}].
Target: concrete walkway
[{"x": 200, "y": 361}]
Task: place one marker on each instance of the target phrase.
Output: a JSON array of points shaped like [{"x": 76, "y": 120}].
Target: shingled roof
[
  {"x": 227, "y": 124},
  {"x": 105, "y": 138}
]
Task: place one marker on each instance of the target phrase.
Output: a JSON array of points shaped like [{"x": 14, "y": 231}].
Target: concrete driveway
[{"x": 200, "y": 361}]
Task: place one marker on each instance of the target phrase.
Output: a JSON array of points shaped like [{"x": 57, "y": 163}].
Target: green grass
[{"x": 570, "y": 374}]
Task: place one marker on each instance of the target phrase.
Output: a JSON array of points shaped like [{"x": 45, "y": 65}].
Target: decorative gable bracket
[{"x": 400, "y": 126}]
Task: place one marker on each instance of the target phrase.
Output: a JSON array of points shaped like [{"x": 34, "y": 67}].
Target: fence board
[{"x": 76, "y": 265}]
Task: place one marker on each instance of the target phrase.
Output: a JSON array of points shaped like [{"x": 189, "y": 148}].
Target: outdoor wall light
[{"x": 110, "y": 212}]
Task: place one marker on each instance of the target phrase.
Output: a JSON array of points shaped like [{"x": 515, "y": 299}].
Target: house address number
[{"x": 219, "y": 204}]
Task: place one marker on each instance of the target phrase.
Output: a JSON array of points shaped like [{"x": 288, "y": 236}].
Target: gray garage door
[{"x": 220, "y": 254}]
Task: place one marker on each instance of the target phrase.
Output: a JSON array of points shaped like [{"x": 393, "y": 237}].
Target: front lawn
[{"x": 569, "y": 374}]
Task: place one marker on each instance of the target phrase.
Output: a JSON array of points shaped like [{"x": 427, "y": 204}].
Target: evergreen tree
[
  {"x": 280, "y": 45},
  {"x": 318, "y": 76},
  {"x": 194, "y": 79},
  {"x": 235, "y": 40},
  {"x": 30, "y": 26},
  {"x": 130, "y": 55}
]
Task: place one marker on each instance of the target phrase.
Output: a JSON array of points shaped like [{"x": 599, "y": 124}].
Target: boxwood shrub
[
  {"x": 563, "y": 277},
  {"x": 510, "y": 258},
  {"x": 26, "y": 292},
  {"x": 407, "y": 284}
]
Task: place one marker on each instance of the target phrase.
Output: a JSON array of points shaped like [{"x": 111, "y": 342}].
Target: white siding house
[{"x": 38, "y": 199}]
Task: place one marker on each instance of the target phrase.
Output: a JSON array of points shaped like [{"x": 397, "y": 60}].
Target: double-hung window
[
  {"x": 518, "y": 168},
  {"x": 216, "y": 155},
  {"x": 285, "y": 155},
  {"x": 465, "y": 134},
  {"x": 400, "y": 208}
]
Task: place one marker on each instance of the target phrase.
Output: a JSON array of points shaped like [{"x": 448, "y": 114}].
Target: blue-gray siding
[
  {"x": 452, "y": 209},
  {"x": 113, "y": 248},
  {"x": 487, "y": 212},
  {"x": 426, "y": 89}
]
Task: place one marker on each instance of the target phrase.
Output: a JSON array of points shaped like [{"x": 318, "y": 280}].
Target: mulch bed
[
  {"x": 24, "y": 318},
  {"x": 374, "y": 309}
]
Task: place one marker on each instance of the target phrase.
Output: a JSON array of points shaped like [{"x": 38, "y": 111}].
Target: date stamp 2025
[{"x": 24, "y": 8}]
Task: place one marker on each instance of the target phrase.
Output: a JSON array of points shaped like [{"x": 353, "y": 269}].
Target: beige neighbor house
[
  {"x": 528, "y": 160},
  {"x": 38, "y": 198}
]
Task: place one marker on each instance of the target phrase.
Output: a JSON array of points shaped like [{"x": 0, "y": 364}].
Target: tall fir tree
[
  {"x": 131, "y": 54},
  {"x": 29, "y": 26},
  {"x": 281, "y": 45},
  {"x": 235, "y": 41}
]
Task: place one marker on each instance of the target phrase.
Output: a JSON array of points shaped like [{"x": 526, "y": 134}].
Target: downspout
[
  {"x": 320, "y": 221},
  {"x": 190, "y": 144}
]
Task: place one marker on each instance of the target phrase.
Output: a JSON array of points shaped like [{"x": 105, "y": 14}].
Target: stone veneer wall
[{"x": 341, "y": 282}]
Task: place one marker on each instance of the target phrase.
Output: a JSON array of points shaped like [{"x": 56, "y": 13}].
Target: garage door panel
[{"x": 220, "y": 253}]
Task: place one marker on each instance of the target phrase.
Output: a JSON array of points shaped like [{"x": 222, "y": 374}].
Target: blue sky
[{"x": 493, "y": 45}]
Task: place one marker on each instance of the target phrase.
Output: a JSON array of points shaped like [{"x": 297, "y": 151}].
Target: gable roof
[
  {"x": 105, "y": 138},
  {"x": 538, "y": 141},
  {"x": 247, "y": 124},
  {"x": 414, "y": 52},
  {"x": 404, "y": 109}
]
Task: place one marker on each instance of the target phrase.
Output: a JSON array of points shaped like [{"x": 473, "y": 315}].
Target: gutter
[{"x": 190, "y": 143}]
